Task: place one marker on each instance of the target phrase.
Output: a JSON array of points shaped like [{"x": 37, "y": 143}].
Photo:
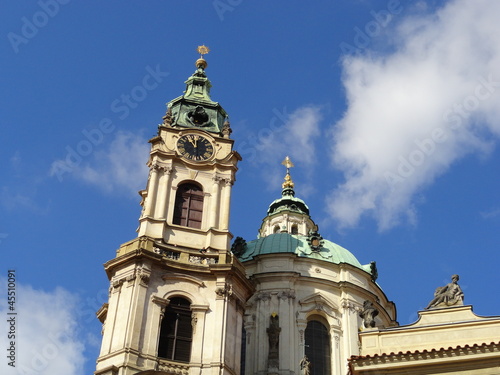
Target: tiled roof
[{"x": 423, "y": 354}]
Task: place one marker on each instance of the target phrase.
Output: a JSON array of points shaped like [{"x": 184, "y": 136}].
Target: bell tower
[
  {"x": 192, "y": 169},
  {"x": 177, "y": 293}
]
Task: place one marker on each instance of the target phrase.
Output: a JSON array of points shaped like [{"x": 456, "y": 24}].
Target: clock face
[{"x": 195, "y": 147}]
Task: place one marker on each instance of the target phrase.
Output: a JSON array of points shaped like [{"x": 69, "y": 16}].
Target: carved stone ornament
[
  {"x": 227, "y": 290},
  {"x": 117, "y": 283},
  {"x": 168, "y": 119},
  {"x": 226, "y": 129},
  {"x": 368, "y": 314},
  {"x": 263, "y": 296},
  {"x": 285, "y": 295},
  {"x": 351, "y": 307},
  {"x": 315, "y": 241},
  {"x": 173, "y": 367},
  {"x": 194, "y": 321}
]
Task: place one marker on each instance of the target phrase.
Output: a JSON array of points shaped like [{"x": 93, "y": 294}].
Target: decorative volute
[{"x": 287, "y": 214}]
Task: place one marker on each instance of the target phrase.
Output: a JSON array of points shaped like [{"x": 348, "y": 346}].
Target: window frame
[
  {"x": 172, "y": 346},
  {"x": 320, "y": 348},
  {"x": 188, "y": 205}
]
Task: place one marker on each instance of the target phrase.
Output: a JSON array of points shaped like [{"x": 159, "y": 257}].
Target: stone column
[
  {"x": 338, "y": 367},
  {"x": 215, "y": 203},
  {"x": 198, "y": 323},
  {"x": 152, "y": 189},
  {"x": 225, "y": 204},
  {"x": 163, "y": 192}
]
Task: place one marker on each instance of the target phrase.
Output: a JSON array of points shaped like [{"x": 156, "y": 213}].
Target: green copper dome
[
  {"x": 301, "y": 246},
  {"x": 288, "y": 202}
]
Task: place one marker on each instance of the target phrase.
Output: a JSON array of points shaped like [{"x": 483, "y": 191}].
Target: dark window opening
[
  {"x": 176, "y": 332},
  {"x": 188, "y": 209},
  {"x": 317, "y": 348}
]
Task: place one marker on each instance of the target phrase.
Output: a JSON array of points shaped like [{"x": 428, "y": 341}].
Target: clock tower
[{"x": 177, "y": 293}]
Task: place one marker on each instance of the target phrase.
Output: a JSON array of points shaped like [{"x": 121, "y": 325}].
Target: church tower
[{"x": 177, "y": 293}]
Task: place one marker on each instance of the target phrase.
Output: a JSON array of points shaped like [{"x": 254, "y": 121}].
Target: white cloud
[
  {"x": 412, "y": 113},
  {"x": 121, "y": 167},
  {"x": 47, "y": 340},
  {"x": 490, "y": 214},
  {"x": 294, "y": 138}
]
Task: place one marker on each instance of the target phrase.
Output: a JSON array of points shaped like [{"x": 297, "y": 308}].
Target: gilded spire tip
[
  {"x": 288, "y": 184},
  {"x": 201, "y": 62}
]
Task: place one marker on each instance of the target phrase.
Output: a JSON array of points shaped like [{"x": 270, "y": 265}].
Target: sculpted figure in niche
[
  {"x": 274, "y": 338},
  {"x": 368, "y": 314},
  {"x": 450, "y": 294}
]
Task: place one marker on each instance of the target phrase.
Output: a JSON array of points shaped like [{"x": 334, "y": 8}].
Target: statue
[
  {"x": 368, "y": 314},
  {"x": 274, "y": 339},
  {"x": 450, "y": 294},
  {"x": 239, "y": 246},
  {"x": 305, "y": 366}
]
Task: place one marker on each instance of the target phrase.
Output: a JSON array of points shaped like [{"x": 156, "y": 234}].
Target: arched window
[
  {"x": 176, "y": 332},
  {"x": 188, "y": 209},
  {"x": 317, "y": 348},
  {"x": 276, "y": 229},
  {"x": 295, "y": 229}
]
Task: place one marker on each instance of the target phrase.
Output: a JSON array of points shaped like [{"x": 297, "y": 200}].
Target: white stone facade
[{"x": 301, "y": 289}]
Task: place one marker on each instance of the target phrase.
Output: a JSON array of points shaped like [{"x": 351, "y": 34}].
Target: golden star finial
[
  {"x": 203, "y": 50},
  {"x": 201, "y": 62}
]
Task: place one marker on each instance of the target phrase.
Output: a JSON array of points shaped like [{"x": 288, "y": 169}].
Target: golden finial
[
  {"x": 201, "y": 62},
  {"x": 288, "y": 179},
  {"x": 203, "y": 50}
]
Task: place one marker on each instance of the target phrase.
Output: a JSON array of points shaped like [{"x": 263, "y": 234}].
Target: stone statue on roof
[{"x": 448, "y": 295}]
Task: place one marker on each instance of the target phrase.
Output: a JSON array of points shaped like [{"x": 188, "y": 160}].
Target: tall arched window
[
  {"x": 188, "y": 208},
  {"x": 176, "y": 332},
  {"x": 295, "y": 229},
  {"x": 317, "y": 348}
]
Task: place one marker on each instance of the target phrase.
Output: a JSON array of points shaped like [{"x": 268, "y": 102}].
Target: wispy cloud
[
  {"x": 490, "y": 214},
  {"x": 415, "y": 111},
  {"x": 47, "y": 336},
  {"x": 119, "y": 168},
  {"x": 294, "y": 138}
]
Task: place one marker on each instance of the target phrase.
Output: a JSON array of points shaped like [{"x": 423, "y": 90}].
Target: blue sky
[{"x": 389, "y": 110}]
